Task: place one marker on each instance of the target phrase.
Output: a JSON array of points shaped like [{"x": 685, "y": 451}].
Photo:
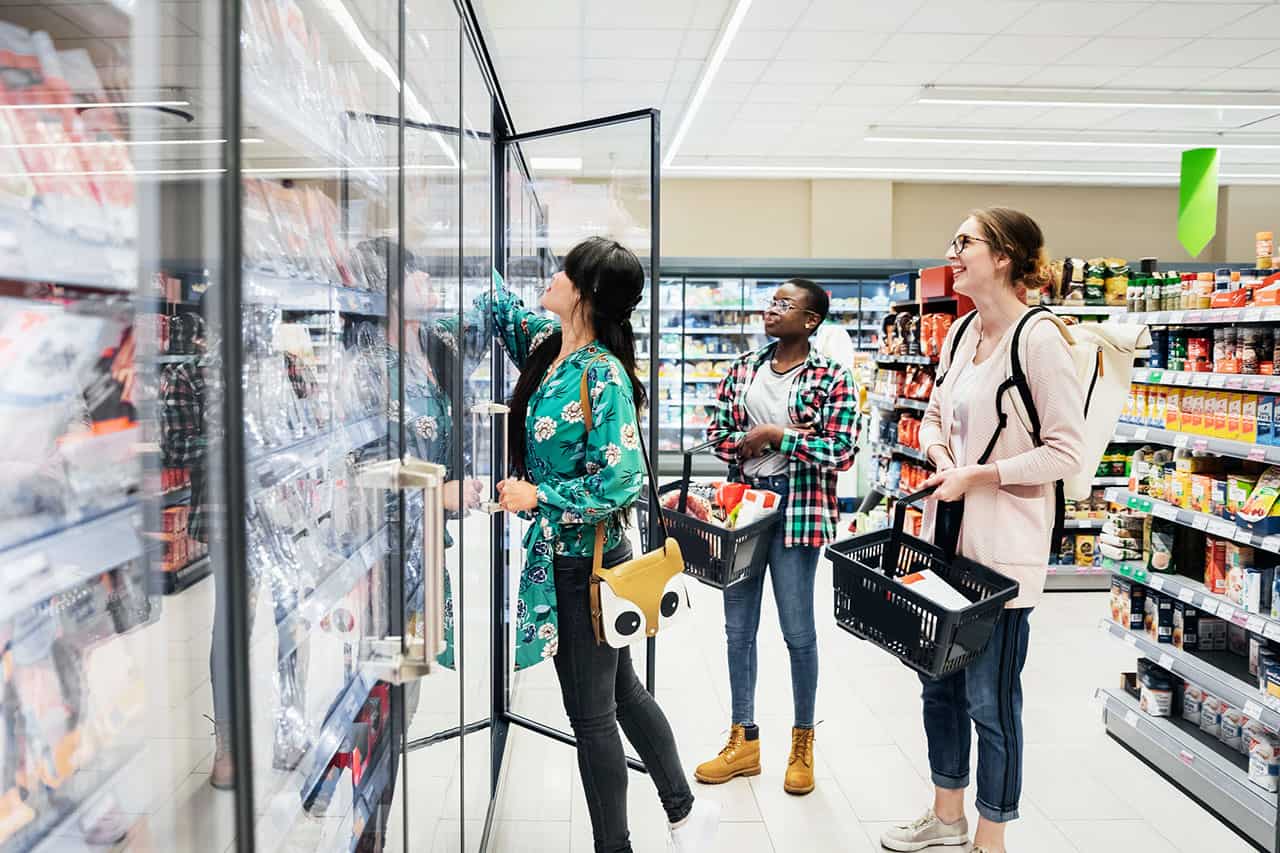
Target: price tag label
[
  {"x": 1177, "y": 316},
  {"x": 1230, "y": 314},
  {"x": 1272, "y": 702},
  {"x": 1165, "y": 511},
  {"x": 1256, "y": 383},
  {"x": 1166, "y": 661},
  {"x": 1271, "y": 543},
  {"x": 1182, "y": 440},
  {"x": 1244, "y": 537},
  {"x": 1271, "y": 313},
  {"x": 1217, "y": 380},
  {"x": 1140, "y": 434},
  {"x": 1256, "y": 625},
  {"x": 1208, "y": 605},
  {"x": 1185, "y": 595},
  {"x": 1271, "y": 631},
  {"x": 1257, "y": 454},
  {"x": 1200, "y": 522},
  {"x": 1155, "y": 376},
  {"x": 1201, "y": 380},
  {"x": 1156, "y": 582},
  {"x": 1131, "y": 639},
  {"x": 1131, "y": 717},
  {"x": 1200, "y": 444},
  {"x": 1227, "y": 612},
  {"x": 1186, "y": 757},
  {"x": 1240, "y": 618},
  {"x": 1252, "y": 710},
  {"x": 1194, "y": 316},
  {"x": 1273, "y": 383},
  {"x": 1235, "y": 382}
]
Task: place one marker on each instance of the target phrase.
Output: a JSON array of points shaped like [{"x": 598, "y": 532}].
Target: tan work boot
[
  {"x": 740, "y": 757},
  {"x": 799, "y": 779}
]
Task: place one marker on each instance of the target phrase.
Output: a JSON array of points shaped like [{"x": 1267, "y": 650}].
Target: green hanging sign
[{"x": 1198, "y": 199}]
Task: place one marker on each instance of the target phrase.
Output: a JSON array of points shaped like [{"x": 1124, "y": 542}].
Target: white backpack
[{"x": 1103, "y": 357}]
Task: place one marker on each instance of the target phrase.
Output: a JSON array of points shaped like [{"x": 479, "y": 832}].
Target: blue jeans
[
  {"x": 792, "y": 571},
  {"x": 988, "y": 692}
]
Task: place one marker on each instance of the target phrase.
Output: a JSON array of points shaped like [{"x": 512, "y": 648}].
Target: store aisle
[{"x": 1083, "y": 792}]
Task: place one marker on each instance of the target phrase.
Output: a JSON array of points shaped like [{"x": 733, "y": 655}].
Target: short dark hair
[{"x": 819, "y": 302}]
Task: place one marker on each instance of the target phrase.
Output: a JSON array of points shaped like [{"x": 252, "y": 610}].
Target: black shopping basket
[
  {"x": 870, "y": 603},
  {"x": 712, "y": 554}
]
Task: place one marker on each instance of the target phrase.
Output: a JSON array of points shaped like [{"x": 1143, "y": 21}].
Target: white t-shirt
[{"x": 769, "y": 402}]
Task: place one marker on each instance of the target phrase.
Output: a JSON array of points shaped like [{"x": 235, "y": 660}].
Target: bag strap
[
  {"x": 584, "y": 395},
  {"x": 965, "y": 322}
]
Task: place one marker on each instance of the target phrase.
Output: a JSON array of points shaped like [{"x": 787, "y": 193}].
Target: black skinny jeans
[{"x": 600, "y": 691}]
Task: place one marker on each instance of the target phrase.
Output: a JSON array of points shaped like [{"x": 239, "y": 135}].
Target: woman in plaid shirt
[{"x": 785, "y": 421}]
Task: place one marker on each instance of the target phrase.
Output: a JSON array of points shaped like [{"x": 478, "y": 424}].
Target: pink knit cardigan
[{"x": 1009, "y": 527}]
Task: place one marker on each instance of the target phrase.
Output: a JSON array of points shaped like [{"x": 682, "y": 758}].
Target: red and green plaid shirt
[{"x": 822, "y": 398}]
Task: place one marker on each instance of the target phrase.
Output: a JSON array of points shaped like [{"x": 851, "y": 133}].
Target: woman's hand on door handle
[{"x": 517, "y": 496}]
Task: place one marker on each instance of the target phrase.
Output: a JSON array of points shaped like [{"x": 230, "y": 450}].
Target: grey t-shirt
[{"x": 769, "y": 402}]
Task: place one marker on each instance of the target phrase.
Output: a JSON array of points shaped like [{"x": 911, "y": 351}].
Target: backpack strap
[{"x": 965, "y": 322}]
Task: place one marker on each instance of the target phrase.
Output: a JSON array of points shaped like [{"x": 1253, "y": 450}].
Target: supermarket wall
[{"x": 885, "y": 219}]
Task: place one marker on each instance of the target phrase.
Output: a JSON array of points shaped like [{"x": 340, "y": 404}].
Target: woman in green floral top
[{"x": 567, "y": 480}]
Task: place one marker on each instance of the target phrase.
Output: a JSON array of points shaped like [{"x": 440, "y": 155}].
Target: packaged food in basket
[
  {"x": 756, "y": 504},
  {"x": 729, "y": 495},
  {"x": 696, "y": 505},
  {"x": 937, "y": 590}
]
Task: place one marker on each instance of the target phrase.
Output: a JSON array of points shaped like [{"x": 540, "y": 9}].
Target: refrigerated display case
[{"x": 257, "y": 596}]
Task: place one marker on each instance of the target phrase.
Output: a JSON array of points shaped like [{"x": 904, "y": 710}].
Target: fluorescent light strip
[
  {"x": 1074, "y": 143},
  {"x": 708, "y": 77},
  {"x": 119, "y": 104},
  {"x": 1129, "y": 99},
  {"x": 130, "y": 143},
  {"x": 1114, "y": 105},
  {"x": 572, "y": 164},
  {"x": 886, "y": 170}
]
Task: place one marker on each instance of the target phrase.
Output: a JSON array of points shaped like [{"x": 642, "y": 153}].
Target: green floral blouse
[{"x": 582, "y": 478}]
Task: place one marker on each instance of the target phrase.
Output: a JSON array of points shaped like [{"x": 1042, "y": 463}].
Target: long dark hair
[{"x": 610, "y": 281}]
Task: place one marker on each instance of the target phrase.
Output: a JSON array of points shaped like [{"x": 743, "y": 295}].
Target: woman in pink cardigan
[{"x": 1008, "y": 516}]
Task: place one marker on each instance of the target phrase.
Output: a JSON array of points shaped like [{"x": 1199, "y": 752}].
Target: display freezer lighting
[{"x": 708, "y": 77}]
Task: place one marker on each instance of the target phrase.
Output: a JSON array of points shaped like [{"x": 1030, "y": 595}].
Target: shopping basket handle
[
  {"x": 688, "y": 472},
  {"x": 900, "y": 510}
]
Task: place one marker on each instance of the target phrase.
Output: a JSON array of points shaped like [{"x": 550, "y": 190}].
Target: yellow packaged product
[
  {"x": 1234, "y": 413},
  {"x": 1172, "y": 414},
  {"x": 1249, "y": 418}
]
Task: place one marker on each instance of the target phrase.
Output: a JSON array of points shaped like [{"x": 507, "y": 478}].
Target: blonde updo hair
[{"x": 1017, "y": 236}]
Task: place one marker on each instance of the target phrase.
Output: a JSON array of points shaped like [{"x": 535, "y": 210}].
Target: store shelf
[
  {"x": 1082, "y": 523},
  {"x": 187, "y": 576},
  {"x": 333, "y": 733},
  {"x": 371, "y": 787},
  {"x": 269, "y": 467},
  {"x": 1199, "y": 443},
  {"x": 289, "y": 294},
  {"x": 1189, "y": 379},
  {"x": 879, "y": 449},
  {"x": 39, "y": 254},
  {"x": 285, "y": 122},
  {"x": 175, "y": 359},
  {"x": 1111, "y": 481},
  {"x": 1268, "y": 314},
  {"x": 701, "y": 379},
  {"x": 1213, "y": 525},
  {"x": 1211, "y": 772},
  {"x": 897, "y": 402},
  {"x": 1077, "y": 579},
  {"x": 904, "y": 359},
  {"x": 1197, "y": 595},
  {"x": 905, "y": 305},
  {"x": 1223, "y": 674},
  {"x": 1087, "y": 310},
  {"x": 175, "y": 497},
  {"x": 117, "y": 781},
  {"x": 43, "y": 567}
]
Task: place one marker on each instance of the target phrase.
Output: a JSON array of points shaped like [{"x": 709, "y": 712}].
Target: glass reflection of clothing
[{"x": 582, "y": 478}]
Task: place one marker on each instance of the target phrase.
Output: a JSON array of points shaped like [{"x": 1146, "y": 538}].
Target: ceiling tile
[
  {"x": 756, "y": 44},
  {"x": 831, "y": 45},
  {"x": 770, "y": 113},
  {"x": 708, "y": 14},
  {"x": 632, "y": 44},
  {"x": 1214, "y": 53},
  {"x": 656, "y": 14},
  {"x": 791, "y": 93},
  {"x": 1180, "y": 19},
  {"x": 868, "y": 16},
  {"x": 1243, "y": 78},
  {"x": 1086, "y": 76},
  {"x": 1020, "y": 49},
  {"x": 522, "y": 13},
  {"x": 874, "y": 95},
  {"x": 809, "y": 72},
  {"x": 629, "y": 69},
  {"x": 1125, "y": 52},
  {"x": 553, "y": 69},
  {"x": 929, "y": 47},
  {"x": 698, "y": 44},
  {"x": 1076, "y": 19},
  {"x": 773, "y": 16},
  {"x": 899, "y": 73},
  {"x": 1159, "y": 77},
  {"x": 1271, "y": 60},
  {"x": 1265, "y": 20},
  {"x": 638, "y": 94},
  {"x": 741, "y": 70},
  {"x": 686, "y": 69},
  {"x": 962, "y": 16},
  {"x": 983, "y": 74},
  {"x": 723, "y": 92},
  {"x": 511, "y": 42}
]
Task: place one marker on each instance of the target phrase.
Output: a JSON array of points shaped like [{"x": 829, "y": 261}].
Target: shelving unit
[{"x": 1210, "y": 524}]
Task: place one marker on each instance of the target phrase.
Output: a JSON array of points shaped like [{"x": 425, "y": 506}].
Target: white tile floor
[{"x": 1083, "y": 792}]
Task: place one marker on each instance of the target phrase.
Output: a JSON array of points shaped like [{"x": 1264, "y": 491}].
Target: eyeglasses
[
  {"x": 962, "y": 242},
  {"x": 782, "y": 306}
]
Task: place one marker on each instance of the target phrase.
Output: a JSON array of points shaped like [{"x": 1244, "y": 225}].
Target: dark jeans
[
  {"x": 988, "y": 692},
  {"x": 601, "y": 691},
  {"x": 792, "y": 571}
]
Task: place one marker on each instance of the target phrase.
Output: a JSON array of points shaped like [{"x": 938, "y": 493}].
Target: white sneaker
[
  {"x": 926, "y": 831},
  {"x": 697, "y": 832}
]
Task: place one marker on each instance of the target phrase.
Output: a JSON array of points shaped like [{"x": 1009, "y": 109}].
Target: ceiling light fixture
[
  {"x": 556, "y": 164},
  {"x": 1079, "y": 139},
  {"x": 130, "y": 143},
  {"x": 1126, "y": 99},
  {"x": 708, "y": 77},
  {"x": 95, "y": 105},
  {"x": 930, "y": 171}
]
